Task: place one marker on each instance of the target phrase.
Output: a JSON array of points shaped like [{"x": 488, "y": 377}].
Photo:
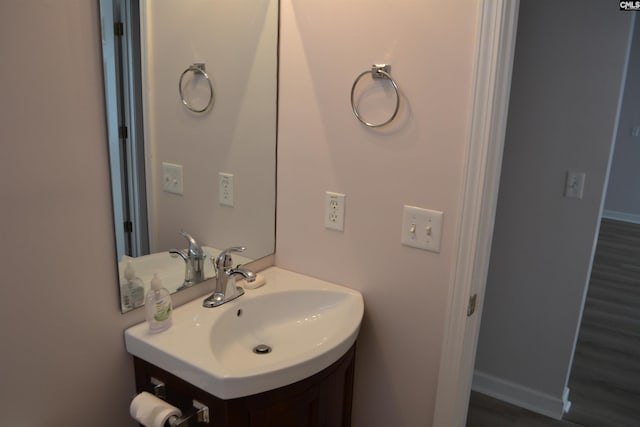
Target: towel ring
[
  {"x": 197, "y": 69},
  {"x": 377, "y": 71}
]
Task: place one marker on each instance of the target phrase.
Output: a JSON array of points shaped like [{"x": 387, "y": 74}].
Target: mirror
[{"x": 177, "y": 163}]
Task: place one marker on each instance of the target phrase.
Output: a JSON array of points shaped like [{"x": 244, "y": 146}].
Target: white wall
[
  {"x": 568, "y": 71},
  {"x": 238, "y": 43},
  {"x": 417, "y": 160},
  {"x": 623, "y": 198}
]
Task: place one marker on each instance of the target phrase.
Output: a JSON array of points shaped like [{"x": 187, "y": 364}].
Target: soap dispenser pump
[
  {"x": 158, "y": 306},
  {"x": 132, "y": 292}
]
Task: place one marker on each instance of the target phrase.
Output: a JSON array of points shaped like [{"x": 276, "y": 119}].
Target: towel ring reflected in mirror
[
  {"x": 377, "y": 71},
  {"x": 196, "y": 69}
]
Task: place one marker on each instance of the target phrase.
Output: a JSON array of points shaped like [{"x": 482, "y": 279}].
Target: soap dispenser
[
  {"x": 132, "y": 292},
  {"x": 158, "y": 306}
]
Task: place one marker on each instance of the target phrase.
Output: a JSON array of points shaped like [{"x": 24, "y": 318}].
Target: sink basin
[{"x": 287, "y": 330}]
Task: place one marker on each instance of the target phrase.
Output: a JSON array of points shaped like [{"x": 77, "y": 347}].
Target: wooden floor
[
  {"x": 485, "y": 411},
  {"x": 605, "y": 377}
]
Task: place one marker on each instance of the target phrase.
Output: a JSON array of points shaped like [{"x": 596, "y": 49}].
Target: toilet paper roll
[{"x": 151, "y": 411}]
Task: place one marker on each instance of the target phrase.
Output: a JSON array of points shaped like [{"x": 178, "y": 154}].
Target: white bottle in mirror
[
  {"x": 132, "y": 292},
  {"x": 158, "y": 306}
]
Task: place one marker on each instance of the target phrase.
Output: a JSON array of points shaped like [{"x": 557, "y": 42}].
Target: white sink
[{"x": 308, "y": 324}]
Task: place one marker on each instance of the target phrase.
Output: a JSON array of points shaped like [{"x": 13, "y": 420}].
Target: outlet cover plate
[
  {"x": 334, "y": 211},
  {"x": 421, "y": 228},
  {"x": 225, "y": 189}
]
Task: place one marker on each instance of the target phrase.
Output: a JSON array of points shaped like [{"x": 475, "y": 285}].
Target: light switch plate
[
  {"x": 574, "y": 184},
  {"x": 421, "y": 228},
  {"x": 172, "y": 180}
]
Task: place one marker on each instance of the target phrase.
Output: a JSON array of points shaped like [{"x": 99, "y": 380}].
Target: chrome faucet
[
  {"x": 224, "y": 271},
  {"x": 193, "y": 258}
]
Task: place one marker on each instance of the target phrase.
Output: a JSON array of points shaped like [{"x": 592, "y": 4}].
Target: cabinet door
[
  {"x": 303, "y": 410},
  {"x": 323, "y": 400}
]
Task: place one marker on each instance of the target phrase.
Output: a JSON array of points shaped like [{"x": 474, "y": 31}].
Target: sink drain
[{"x": 262, "y": 349}]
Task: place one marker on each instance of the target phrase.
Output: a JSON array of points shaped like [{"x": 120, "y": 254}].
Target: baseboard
[
  {"x": 524, "y": 397},
  {"x": 565, "y": 398},
  {"x": 621, "y": 216}
]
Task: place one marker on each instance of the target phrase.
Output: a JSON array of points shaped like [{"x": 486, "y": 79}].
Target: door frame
[
  {"x": 496, "y": 36},
  {"x": 121, "y": 53}
]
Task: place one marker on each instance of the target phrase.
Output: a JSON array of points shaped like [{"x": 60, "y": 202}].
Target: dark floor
[
  {"x": 485, "y": 411},
  {"x": 605, "y": 378}
]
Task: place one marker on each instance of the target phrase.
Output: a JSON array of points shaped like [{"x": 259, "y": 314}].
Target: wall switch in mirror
[
  {"x": 225, "y": 189},
  {"x": 172, "y": 178}
]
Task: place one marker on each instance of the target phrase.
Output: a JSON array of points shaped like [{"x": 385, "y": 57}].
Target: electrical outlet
[
  {"x": 334, "y": 211},
  {"x": 421, "y": 228},
  {"x": 172, "y": 180},
  {"x": 225, "y": 189}
]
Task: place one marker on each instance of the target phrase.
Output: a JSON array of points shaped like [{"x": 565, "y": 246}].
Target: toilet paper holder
[
  {"x": 158, "y": 388},
  {"x": 199, "y": 413}
]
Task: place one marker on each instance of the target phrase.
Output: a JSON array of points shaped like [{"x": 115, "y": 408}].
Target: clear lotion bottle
[{"x": 158, "y": 306}]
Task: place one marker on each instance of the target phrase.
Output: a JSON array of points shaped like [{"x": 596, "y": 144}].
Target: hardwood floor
[
  {"x": 485, "y": 411},
  {"x": 605, "y": 377}
]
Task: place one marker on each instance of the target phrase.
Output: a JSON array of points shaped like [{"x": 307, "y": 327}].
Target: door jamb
[{"x": 496, "y": 35}]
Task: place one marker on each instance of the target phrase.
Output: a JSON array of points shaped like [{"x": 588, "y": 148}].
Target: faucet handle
[
  {"x": 177, "y": 252},
  {"x": 223, "y": 260}
]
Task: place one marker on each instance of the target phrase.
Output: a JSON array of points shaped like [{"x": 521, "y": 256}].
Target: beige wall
[
  {"x": 62, "y": 354},
  {"x": 62, "y": 357},
  {"x": 416, "y": 161}
]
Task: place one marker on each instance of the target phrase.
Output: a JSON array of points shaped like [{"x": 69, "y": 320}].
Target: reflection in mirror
[{"x": 198, "y": 158}]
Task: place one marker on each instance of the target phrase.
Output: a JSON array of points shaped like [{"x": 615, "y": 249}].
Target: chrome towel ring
[
  {"x": 197, "y": 69},
  {"x": 377, "y": 71}
]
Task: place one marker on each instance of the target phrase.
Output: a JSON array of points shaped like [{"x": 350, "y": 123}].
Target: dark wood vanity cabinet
[{"x": 322, "y": 400}]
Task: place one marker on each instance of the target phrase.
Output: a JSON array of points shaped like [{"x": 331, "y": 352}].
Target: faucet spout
[
  {"x": 193, "y": 258},
  {"x": 194, "y": 248},
  {"x": 247, "y": 275}
]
